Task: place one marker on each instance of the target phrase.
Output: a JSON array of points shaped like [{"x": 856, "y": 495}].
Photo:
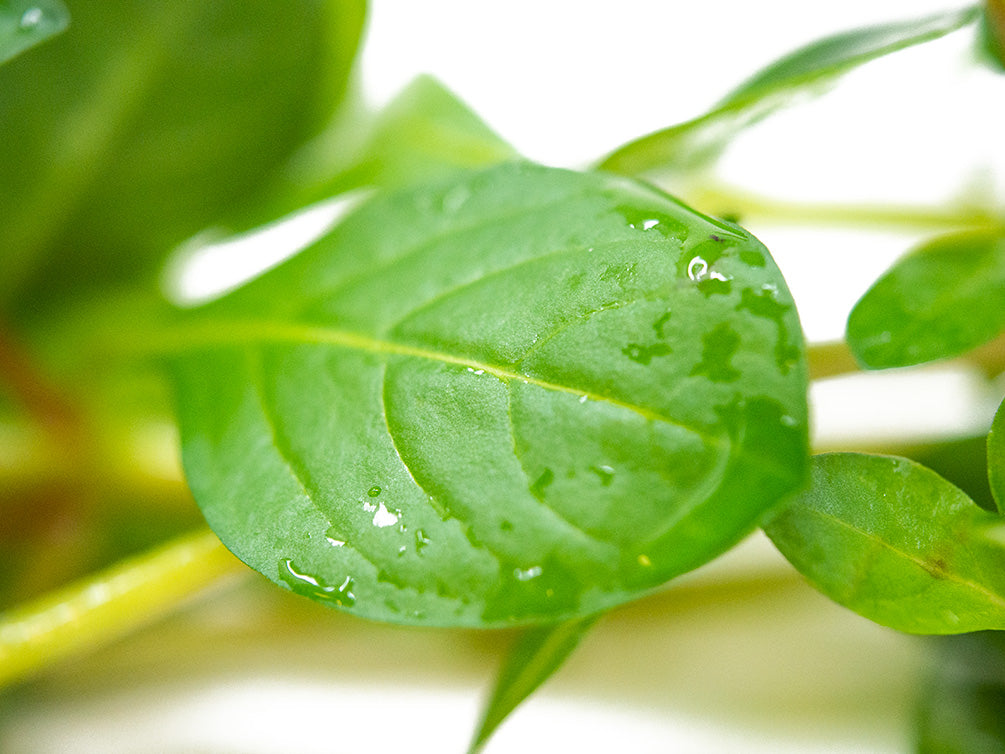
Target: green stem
[
  {"x": 727, "y": 201},
  {"x": 103, "y": 607}
]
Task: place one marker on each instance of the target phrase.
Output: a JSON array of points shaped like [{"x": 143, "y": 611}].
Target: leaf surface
[
  {"x": 26, "y": 23},
  {"x": 531, "y": 661},
  {"x": 145, "y": 121},
  {"x": 939, "y": 301},
  {"x": 896, "y": 543},
  {"x": 522, "y": 396},
  {"x": 996, "y": 458},
  {"x": 805, "y": 71}
]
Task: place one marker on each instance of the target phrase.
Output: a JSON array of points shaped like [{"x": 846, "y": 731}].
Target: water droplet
[
  {"x": 527, "y": 574},
  {"x": 583, "y": 398},
  {"x": 645, "y": 354},
  {"x": 335, "y": 542},
  {"x": 476, "y": 371},
  {"x": 456, "y": 198},
  {"x": 505, "y": 525},
  {"x": 384, "y": 517},
  {"x": 421, "y": 540},
  {"x": 789, "y": 421},
  {"x": 541, "y": 484},
  {"x": 31, "y": 18},
  {"x": 401, "y": 551},
  {"x": 373, "y": 491},
  {"x": 605, "y": 473},
  {"x": 305, "y": 583},
  {"x": 697, "y": 269},
  {"x": 649, "y": 224},
  {"x": 644, "y": 561},
  {"x": 369, "y": 507}
]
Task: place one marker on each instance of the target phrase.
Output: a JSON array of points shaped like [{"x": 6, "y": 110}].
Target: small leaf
[
  {"x": 895, "y": 542},
  {"x": 698, "y": 141},
  {"x": 996, "y": 458},
  {"x": 525, "y": 395},
  {"x": 144, "y": 122},
  {"x": 531, "y": 661},
  {"x": 26, "y": 23},
  {"x": 962, "y": 704},
  {"x": 939, "y": 301}
]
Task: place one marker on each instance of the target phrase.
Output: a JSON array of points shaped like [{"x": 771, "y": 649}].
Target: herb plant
[{"x": 494, "y": 395}]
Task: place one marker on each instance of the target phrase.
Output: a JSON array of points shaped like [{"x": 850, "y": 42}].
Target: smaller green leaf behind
[
  {"x": 942, "y": 299},
  {"x": 996, "y": 458},
  {"x": 26, "y": 23},
  {"x": 532, "y": 660},
  {"x": 698, "y": 141},
  {"x": 896, "y": 543}
]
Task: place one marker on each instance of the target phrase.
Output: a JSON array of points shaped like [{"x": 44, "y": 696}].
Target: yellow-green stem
[{"x": 98, "y": 609}]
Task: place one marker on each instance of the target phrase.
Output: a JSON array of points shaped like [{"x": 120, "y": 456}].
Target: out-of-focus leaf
[
  {"x": 941, "y": 300},
  {"x": 531, "y": 661},
  {"x": 961, "y": 709},
  {"x": 895, "y": 542},
  {"x": 992, "y": 36},
  {"x": 25, "y": 23},
  {"x": 145, "y": 121},
  {"x": 525, "y": 395},
  {"x": 996, "y": 458},
  {"x": 805, "y": 71}
]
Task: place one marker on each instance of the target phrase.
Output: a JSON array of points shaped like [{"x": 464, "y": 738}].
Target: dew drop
[
  {"x": 649, "y": 224},
  {"x": 421, "y": 540},
  {"x": 335, "y": 542},
  {"x": 31, "y": 18},
  {"x": 605, "y": 473},
  {"x": 644, "y": 561},
  {"x": 384, "y": 517},
  {"x": 456, "y": 198},
  {"x": 583, "y": 399},
  {"x": 305, "y": 583},
  {"x": 527, "y": 574},
  {"x": 476, "y": 371},
  {"x": 373, "y": 491},
  {"x": 697, "y": 269}
]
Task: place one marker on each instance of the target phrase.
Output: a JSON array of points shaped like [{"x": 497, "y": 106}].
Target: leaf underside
[
  {"x": 896, "y": 543},
  {"x": 941, "y": 300},
  {"x": 524, "y": 396}
]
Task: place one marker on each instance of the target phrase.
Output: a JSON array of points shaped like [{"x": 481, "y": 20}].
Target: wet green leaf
[
  {"x": 895, "y": 542},
  {"x": 531, "y": 661},
  {"x": 996, "y": 458},
  {"x": 941, "y": 300},
  {"x": 962, "y": 704},
  {"x": 144, "y": 121},
  {"x": 805, "y": 71},
  {"x": 522, "y": 396},
  {"x": 26, "y": 23}
]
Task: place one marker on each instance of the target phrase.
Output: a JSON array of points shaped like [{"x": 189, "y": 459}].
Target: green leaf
[
  {"x": 805, "y": 71},
  {"x": 26, "y": 23},
  {"x": 895, "y": 542},
  {"x": 939, "y": 301},
  {"x": 531, "y": 661},
  {"x": 522, "y": 396},
  {"x": 992, "y": 34},
  {"x": 996, "y": 458},
  {"x": 264, "y": 372},
  {"x": 145, "y": 121},
  {"x": 962, "y": 707}
]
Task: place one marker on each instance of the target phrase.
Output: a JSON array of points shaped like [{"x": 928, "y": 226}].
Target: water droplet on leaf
[{"x": 527, "y": 574}]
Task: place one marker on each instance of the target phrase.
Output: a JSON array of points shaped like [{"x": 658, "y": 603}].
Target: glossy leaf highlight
[
  {"x": 144, "y": 122},
  {"x": 532, "y": 660},
  {"x": 939, "y": 301},
  {"x": 26, "y": 23},
  {"x": 996, "y": 458},
  {"x": 523, "y": 396},
  {"x": 698, "y": 141},
  {"x": 896, "y": 543}
]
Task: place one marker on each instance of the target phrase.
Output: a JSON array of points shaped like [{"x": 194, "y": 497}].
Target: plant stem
[
  {"x": 722, "y": 200},
  {"x": 103, "y": 607}
]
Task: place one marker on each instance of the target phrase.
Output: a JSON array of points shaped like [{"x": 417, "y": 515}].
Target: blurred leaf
[
  {"x": 962, "y": 705},
  {"x": 992, "y": 33},
  {"x": 460, "y": 406},
  {"x": 424, "y": 134},
  {"x": 531, "y": 661},
  {"x": 25, "y": 23},
  {"x": 895, "y": 542},
  {"x": 145, "y": 121},
  {"x": 940, "y": 300},
  {"x": 805, "y": 71},
  {"x": 996, "y": 458}
]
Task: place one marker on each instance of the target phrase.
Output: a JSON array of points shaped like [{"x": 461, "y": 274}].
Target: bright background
[{"x": 741, "y": 657}]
